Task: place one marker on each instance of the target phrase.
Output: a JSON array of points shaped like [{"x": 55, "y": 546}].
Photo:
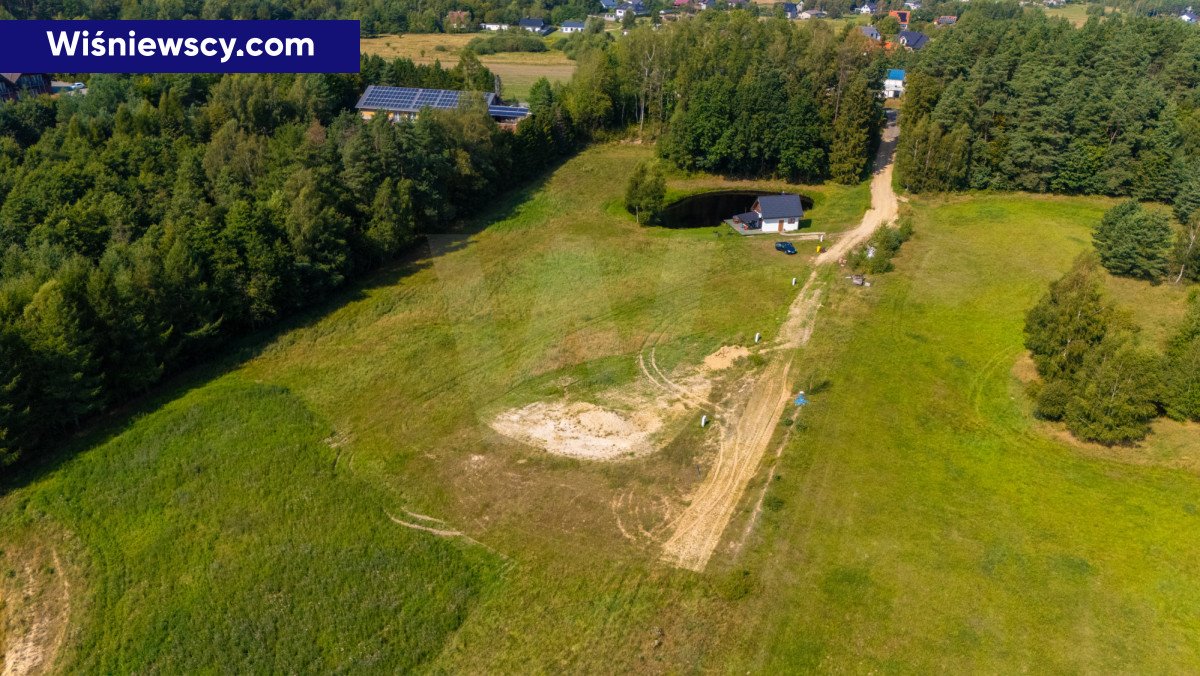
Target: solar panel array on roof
[
  {"x": 508, "y": 112},
  {"x": 410, "y": 99}
]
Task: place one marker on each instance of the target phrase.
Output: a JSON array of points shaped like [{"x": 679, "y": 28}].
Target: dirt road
[
  {"x": 884, "y": 205},
  {"x": 746, "y": 435}
]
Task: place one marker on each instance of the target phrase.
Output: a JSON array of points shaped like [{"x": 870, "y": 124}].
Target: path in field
[{"x": 743, "y": 442}]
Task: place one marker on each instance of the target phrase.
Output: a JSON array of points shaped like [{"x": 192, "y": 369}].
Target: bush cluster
[{"x": 1095, "y": 375}]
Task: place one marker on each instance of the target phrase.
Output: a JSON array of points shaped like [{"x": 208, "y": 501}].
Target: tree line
[
  {"x": 1011, "y": 99},
  {"x": 726, "y": 92},
  {"x": 376, "y": 16},
  {"x": 144, "y": 225}
]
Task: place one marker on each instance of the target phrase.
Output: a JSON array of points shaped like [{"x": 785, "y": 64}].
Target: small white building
[
  {"x": 494, "y": 26},
  {"x": 571, "y": 27},
  {"x": 867, "y": 8},
  {"x": 893, "y": 85},
  {"x": 772, "y": 213},
  {"x": 538, "y": 26}
]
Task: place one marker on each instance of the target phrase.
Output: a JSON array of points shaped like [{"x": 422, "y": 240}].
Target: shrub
[{"x": 506, "y": 42}]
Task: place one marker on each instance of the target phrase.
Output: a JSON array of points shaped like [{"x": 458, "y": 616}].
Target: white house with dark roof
[
  {"x": 867, "y": 8},
  {"x": 572, "y": 27},
  {"x": 538, "y": 26},
  {"x": 772, "y": 213},
  {"x": 637, "y": 8}
]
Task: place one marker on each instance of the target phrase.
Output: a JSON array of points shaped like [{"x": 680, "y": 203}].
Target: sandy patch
[
  {"x": 35, "y": 605},
  {"x": 725, "y": 357},
  {"x": 581, "y": 429}
]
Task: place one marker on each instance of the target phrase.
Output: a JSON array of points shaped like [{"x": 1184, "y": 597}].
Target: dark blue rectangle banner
[{"x": 179, "y": 46}]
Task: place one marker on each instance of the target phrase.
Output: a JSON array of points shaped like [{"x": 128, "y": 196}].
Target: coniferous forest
[{"x": 1014, "y": 100}]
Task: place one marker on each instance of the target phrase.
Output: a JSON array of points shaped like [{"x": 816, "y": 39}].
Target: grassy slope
[
  {"x": 937, "y": 528},
  {"x": 216, "y": 531},
  {"x": 517, "y": 70}
]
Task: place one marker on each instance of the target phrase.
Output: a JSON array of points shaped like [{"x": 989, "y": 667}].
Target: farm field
[
  {"x": 1075, "y": 13},
  {"x": 345, "y": 492},
  {"x": 517, "y": 70}
]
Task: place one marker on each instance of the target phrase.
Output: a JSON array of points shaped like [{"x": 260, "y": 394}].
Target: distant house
[
  {"x": 867, "y": 8},
  {"x": 13, "y": 85},
  {"x": 893, "y": 85},
  {"x": 495, "y": 26},
  {"x": 458, "y": 20},
  {"x": 772, "y": 213},
  {"x": 946, "y": 20},
  {"x": 791, "y": 10},
  {"x": 1188, "y": 17},
  {"x": 913, "y": 5},
  {"x": 813, "y": 14},
  {"x": 572, "y": 27},
  {"x": 608, "y": 5},
  {"x": 538, "y": 26},
  {"x": 871, "y": 32},
  {"x": 900, "y": 15},
  {"x": 406, "y": 103},
  {"x": 626, "y": 7},
  {"x": 912, "y": 40}
]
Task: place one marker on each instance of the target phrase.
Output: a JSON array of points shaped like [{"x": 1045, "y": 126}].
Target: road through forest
[{"x": 744, "y": 438}]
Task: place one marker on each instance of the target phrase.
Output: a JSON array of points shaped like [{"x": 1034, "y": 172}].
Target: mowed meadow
[
  {"x": 246, "y": 518},
  {"x": 926, "y": 522}
]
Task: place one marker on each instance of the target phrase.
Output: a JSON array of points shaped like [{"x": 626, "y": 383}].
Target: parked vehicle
[{"x": 785, "y": 247}]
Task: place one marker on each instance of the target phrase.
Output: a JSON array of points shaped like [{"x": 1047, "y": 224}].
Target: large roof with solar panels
[{"x": 413, "y": 100}]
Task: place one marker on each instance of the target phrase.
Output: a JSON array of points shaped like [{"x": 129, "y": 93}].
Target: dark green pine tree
[
  {"x": 392, "y": 223},
  {"x": 853, "y": 131},
  {"x": 1133, "y": 242},
  {"x": 67, "y": 386}
]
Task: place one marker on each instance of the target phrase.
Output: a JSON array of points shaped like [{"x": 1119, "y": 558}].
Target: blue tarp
[{"x": 801, "y": 399}]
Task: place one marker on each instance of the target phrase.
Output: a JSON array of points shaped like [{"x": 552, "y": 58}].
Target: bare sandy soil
[
  {"x": 35, "y": 606},
  {"x": 581, "y": 429},
  {"x": 632, "y": 423}
]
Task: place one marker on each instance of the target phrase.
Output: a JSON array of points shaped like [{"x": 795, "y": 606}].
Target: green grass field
[
  {"x": 244, "y": 523},
  {"x": 919, "y": 520},
  {"x": 937, "y": 528}
]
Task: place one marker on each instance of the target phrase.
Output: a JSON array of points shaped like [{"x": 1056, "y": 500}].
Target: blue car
[{"x": 785, "y": 247}]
